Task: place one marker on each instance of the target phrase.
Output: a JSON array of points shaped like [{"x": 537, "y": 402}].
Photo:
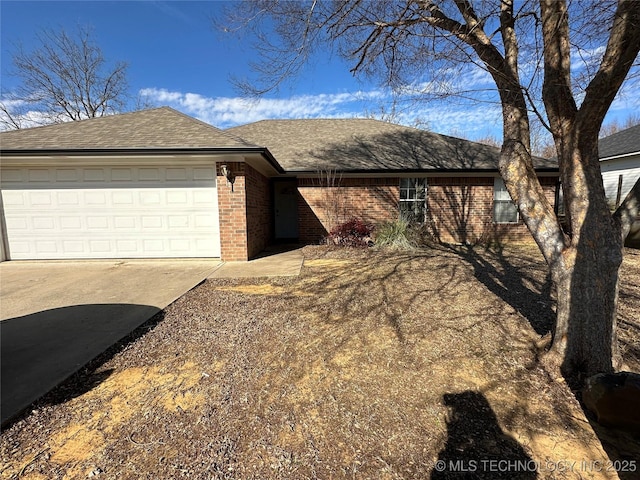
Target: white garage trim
[{"x": 116, "y": 211}]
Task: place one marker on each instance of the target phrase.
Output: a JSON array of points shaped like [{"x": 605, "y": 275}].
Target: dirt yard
[{"x": 371, "y": 364}]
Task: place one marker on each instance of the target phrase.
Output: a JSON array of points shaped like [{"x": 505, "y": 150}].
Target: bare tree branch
[
  {"x": 622, "y": 50},
  {"x": 66, "y": 78}
]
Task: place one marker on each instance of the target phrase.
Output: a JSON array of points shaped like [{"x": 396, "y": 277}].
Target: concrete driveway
[{"x": 58, "y": 315}]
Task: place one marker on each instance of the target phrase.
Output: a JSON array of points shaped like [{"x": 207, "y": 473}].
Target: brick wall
[
  {"x": 259, "y": 211},
  {"x": 232, "y": 213},
  {"x": 458, "y": 209},
  {"x": 244, "y": 211},
  {"x": 321, "y": 207},
  {"x": 461, "y": 210}
]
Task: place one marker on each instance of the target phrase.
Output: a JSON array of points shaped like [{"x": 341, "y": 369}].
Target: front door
[{"x": 285, "y": 203}]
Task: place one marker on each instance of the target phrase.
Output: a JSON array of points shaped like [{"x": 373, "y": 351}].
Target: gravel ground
[{"x": 370, "y": 364}]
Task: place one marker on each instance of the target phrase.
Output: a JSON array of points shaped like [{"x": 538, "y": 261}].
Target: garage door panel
[
  {"x": 70, "y": 222},
  {"x": 204, "y": 173},
  {"x": 94, "y": 175},
  {"x": 13, "y": 199},
  {"x": 43, "y": 223},
  {"x": 73, "y": 247},
  {"x": 68, "y": 197},
  {"x": 67, "y": 175},
  {"x": 17, "y": 224},
  {"x": 134, "y": 247},
  {"x": 123, "y": 198},
  {"x": 12, "y": 175},
  {"x": 174, "y": 174},
  {"x": 116, "y": 212},
  {"x": 39, "y": 175},
  {"x": 129, "y": 223}
]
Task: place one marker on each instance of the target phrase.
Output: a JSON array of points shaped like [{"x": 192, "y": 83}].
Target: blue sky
[{"x": 176, "y": 58}]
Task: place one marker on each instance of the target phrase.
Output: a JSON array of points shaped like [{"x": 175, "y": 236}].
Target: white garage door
[{"x": 111, "y": 212}]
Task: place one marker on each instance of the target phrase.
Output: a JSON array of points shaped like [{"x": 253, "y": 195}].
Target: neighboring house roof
[
  {"x": 159, "y": 128},
  {"x": 367, "y": 145},
  {"x": 620, "y": 143}
]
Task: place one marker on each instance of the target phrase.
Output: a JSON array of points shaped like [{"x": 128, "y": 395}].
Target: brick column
[{"x": 232, "y": 211}]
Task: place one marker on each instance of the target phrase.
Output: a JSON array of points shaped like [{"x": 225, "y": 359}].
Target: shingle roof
[
  {"x": 620, "y": 143},
  {"x": 146, "y": 129},
  {"x": 361, "y": 145}
]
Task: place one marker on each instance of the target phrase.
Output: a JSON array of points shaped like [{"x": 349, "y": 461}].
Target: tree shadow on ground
[
  {"x": 53, "y": 356},
  {"x": 476, "y": 447},
  {"x": 517, "y": 285}
]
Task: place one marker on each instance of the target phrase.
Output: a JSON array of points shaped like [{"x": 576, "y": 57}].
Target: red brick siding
[
  {"x": 244, "y": 211},
  {"x": 259, "y": 216},
  {"x": 458, "y": 209},
  {"x": 461, "y": 210},
  {"x": 320, "y": 208},
  {"x": 232, "y": 214}
]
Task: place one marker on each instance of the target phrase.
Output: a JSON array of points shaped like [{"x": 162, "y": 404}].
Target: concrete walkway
[{"x": 280, "y": 264}]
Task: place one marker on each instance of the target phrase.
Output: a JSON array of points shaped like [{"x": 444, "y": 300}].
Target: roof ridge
[
  {"x": 385, "y": 122},
  {"x": 202, "y": 122},
  {"x": 625, "y": 131},
  {"x": 150, "y": 128},
  {"x": 94, "y": 119}
]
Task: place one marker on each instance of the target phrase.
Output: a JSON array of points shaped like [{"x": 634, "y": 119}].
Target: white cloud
[
  {"x": 455, "y": 119},
  {"x": 226, "y": 112},
  {"x": 20, "y": 114},
  {"x": 447, "y": 116}
]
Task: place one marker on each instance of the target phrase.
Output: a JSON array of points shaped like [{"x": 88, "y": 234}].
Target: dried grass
[{"x": 371, "y": 364}]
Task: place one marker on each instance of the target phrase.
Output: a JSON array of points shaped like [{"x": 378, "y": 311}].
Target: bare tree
[
  {"x": 526, "y": 50},
  {"x": 489, "y": 140},
  {"x": 333, "y": 200},
  {"x": 64, "y": 78},
  {"x": 395, "y": 113}
]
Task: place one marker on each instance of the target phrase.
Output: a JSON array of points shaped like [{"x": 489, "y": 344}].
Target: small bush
[
  {"x": 353, "y": 233},
  {"x": 403, "y": 234},
  {"x": 397, "y": 234}
]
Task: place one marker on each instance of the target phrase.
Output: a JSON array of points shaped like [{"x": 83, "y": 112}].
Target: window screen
[
  {"x": 413, "y": 199},
  {"x": 504, "y": 210}
]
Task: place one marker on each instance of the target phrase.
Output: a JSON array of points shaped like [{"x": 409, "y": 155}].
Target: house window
[
  {"x": 504, "y": 210},
  {"x": 413, "y": 199}
]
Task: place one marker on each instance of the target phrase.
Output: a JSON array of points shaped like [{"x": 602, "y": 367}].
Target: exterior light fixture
[{"x": 228, "y": 174}]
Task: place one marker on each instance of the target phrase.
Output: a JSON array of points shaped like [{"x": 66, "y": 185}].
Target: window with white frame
[
  {"x": 413, "y": 199},
  {"x": 504, "y": 210}
]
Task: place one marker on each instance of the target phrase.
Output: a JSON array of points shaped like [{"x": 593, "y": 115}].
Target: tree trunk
[
  {"x": 586, "y": 274},
  {"x": 586, "y": 280}
]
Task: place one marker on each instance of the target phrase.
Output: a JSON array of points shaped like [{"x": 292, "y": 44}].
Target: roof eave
[
  {"x": 620, "y": 155},
  {"x": 408, "y": 171},
  {"x": 99, "y": 152}
]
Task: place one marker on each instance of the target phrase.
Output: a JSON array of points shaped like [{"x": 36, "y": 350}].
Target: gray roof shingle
[
  {"x": 158, "y": 128},
  {"x": 620, "y": 143},
  {"x": 361, "y": 145}
]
